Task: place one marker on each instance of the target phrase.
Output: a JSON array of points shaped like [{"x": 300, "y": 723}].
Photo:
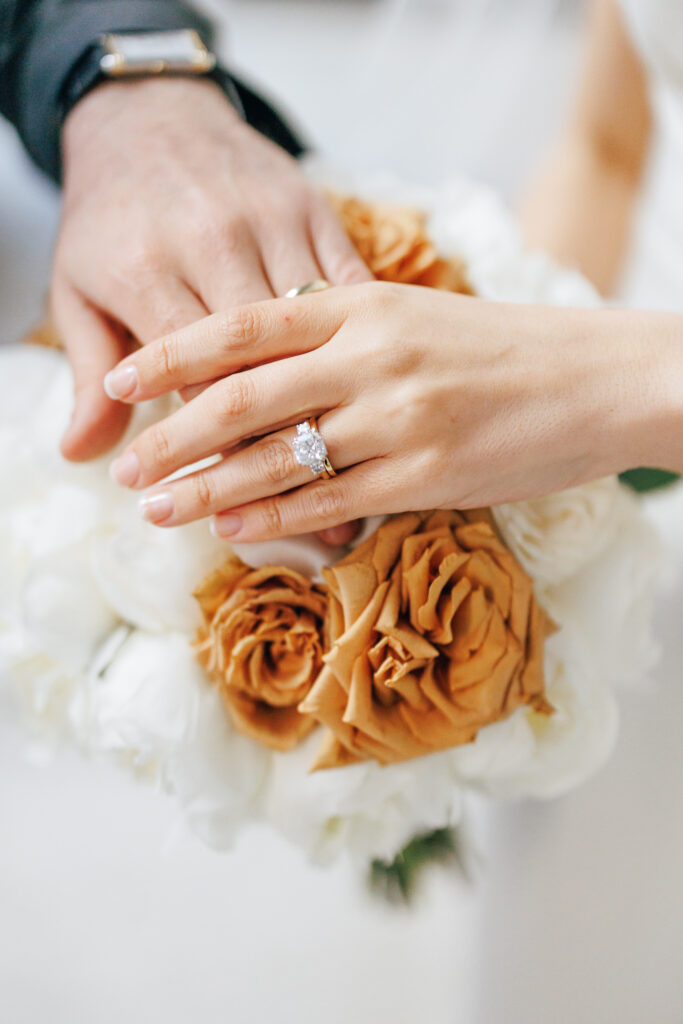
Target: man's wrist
[
  {"x": 149, "y": 103},
  {"x": 152, "y": 103},
  {"x": 140, "y": 56}
]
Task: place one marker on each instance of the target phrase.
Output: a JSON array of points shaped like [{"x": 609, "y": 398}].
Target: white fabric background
[{"x": 576, "y": 914}]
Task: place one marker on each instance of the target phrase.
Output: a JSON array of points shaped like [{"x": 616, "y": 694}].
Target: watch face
[{"x": 137, "y": 53}]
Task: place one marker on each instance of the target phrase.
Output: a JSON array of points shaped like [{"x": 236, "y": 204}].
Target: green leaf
[
  {"x": 397, "y": 879},
  {"x": 644, "y": 480}
]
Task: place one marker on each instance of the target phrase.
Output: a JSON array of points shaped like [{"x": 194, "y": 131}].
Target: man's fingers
[
  {"x": 166, "y": 304},
  {"x": 338, "y": 258},
  {"x": 337, "y": 536},
  {"x": 290, "y": 258},
  {"x": 94, "y": 345},
  {"x": 228, "y": 271},
  {"x": 226, "y": 343}
]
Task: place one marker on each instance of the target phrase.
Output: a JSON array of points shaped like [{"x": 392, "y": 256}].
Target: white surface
[{"x": 577, "y": 918}]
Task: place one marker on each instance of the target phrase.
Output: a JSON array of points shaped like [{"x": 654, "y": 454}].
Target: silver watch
[{"x": 155, "y": 53}]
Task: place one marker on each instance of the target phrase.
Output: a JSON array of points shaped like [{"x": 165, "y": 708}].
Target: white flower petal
[
  {"x": 554, "y": 536},
  {"x": 64, "y": 613},
  {"x": 148, "y": 574}
]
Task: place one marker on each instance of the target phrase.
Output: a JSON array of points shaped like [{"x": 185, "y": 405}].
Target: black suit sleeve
[{"x": 42, "y": 40}]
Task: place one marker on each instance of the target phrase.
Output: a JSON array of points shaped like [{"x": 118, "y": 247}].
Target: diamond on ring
[{"x": 309, "y": 448}]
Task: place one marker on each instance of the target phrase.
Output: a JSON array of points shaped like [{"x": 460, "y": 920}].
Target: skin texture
[
  {"x": 173, "y": 208},
  {"x": 425, "y": 399},
  {"x": 578, "y": 206}
]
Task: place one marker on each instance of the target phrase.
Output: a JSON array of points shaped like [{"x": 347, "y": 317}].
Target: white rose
[
  {"x": 148, "y": 574},
  {"x": 554, "y": 536},
  {"x": 531, "y": 755},
  {"x": 64, "y": 613},
  {"x": 33, "y": 371},
  {"x": 609, "y": 603},
  {"x": 148, "y": 701},
  {"x": 145, "y": 702},
  {"x": 365, "y": 809}
]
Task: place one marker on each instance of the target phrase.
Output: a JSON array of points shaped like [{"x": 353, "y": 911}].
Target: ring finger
[
  {"x": 237, "y": 408},
  {"x": 265, "y": 467},
  {"x": 290, "y": 261}
]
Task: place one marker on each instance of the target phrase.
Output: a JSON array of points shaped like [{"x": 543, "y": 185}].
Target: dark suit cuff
[{"x": 61, "y": 37}]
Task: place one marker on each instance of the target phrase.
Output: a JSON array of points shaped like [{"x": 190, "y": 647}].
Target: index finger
[{"x": 227, "y": 342}]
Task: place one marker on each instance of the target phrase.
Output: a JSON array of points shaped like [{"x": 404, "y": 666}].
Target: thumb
[{"x": 94, "y": 345}]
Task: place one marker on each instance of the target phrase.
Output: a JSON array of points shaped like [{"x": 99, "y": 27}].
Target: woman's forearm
[
  {"x": 579, "y": 205},
  {"x": 578, "y": 209}
]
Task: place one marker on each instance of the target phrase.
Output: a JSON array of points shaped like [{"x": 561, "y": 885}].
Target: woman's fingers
[
  {"x": 264, "y": 467},
  {"x": 93, "y": 345},
  {"x": 226, "y": 343},
  {"x": 247, "y": 404},
  {"x": 366, "y": 489}
]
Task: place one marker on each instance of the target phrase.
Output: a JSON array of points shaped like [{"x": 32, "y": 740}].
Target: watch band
[
  {"x": 251, "y": 106},
  {"x": 106, "y": 61}
]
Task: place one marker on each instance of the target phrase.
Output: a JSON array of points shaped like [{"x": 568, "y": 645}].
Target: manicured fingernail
[
  {"x": 125, "y": 470},
  {"x": 227, "y": 525},
  {"x": 121, "y": 382},
  {"x": 156, "y": 508}
]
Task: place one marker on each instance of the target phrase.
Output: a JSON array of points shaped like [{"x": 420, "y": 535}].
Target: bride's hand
[{"x": 425, "y": 399}]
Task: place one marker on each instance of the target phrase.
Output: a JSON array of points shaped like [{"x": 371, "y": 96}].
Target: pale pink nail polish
[
  {"x": 156, "y": 508},
  {"x": 227, "y": 525},
  {"x": 121, "y": 382},
  {"x": 126, "y": 469}
]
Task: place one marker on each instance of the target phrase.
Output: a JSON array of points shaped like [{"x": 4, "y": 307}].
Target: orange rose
[
  {"x": 262, "y": 644},
  {"x": 392, "y": 242},
  {"x": 45, "y": 334},
  {"x": 435, "y": 633}
]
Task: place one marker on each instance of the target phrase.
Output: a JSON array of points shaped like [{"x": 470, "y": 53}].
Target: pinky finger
[{"x": 363, "y": 490}]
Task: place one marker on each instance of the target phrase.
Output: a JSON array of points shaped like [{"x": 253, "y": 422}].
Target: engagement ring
[{"x": 310, "y": 449}]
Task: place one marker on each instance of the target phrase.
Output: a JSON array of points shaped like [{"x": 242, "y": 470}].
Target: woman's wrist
[{"x": 641, "y": 364}]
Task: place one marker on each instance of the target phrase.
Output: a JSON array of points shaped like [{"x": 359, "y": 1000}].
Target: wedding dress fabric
[{"x": 593, "y": 921}]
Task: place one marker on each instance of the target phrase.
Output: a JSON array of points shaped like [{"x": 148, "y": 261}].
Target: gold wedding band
[
  {"x": 305, "y": 289},
  {"x": 313, "y": 424}
]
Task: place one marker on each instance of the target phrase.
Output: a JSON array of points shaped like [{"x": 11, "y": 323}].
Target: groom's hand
[{"x": 173, "y": 208}]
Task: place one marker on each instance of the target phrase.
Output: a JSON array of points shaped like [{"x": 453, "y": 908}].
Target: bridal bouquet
[{"x": 351, "y": 698}]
